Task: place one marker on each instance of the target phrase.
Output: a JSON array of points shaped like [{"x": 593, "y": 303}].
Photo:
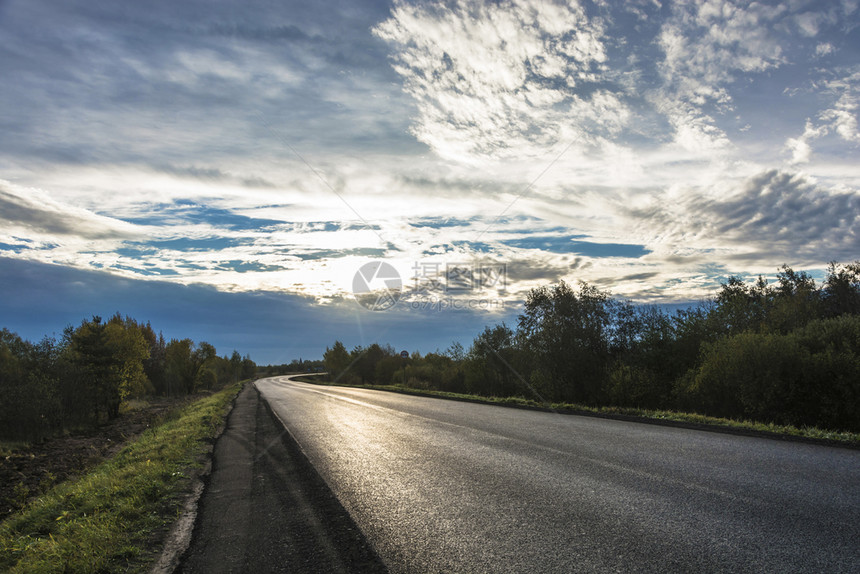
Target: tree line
[
  {"x": 295, "y": 366},
  {"x": 787, "y": 353},
  {"x": 84, "y": 378}
]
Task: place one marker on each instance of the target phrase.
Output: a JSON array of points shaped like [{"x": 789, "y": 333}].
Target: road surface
[{"x": 443, "y": 486}]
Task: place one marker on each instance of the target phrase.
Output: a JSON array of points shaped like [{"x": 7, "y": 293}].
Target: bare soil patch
[{"x": 28, "y": 472}]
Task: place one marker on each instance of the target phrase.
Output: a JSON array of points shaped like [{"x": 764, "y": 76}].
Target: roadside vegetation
[
  {"x": 783, "y": 357},
  {"x": 111, "y": 518},
  {"x": 85, "y": 378}
]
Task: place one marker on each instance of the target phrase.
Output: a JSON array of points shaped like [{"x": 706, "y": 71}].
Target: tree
[
  {"x": 236, "y": 365},
  {"x": 154, "y": 366},
  {"x": 31, "y": 405},
  {"x": 94, "y": 370},
  {"x": 796, "y": 301},
  {"x": 567, "y": 336},
  {"x": 107, "y": 362},
  {"x": 129, "y": 347},
  {"x": 336, "y": 360},
  {"x": 249, "y": 367},
  {"x": 365, "y": 361},
  {"x": 179, "y": 369},
  {"x": 841, "y": 293},
  {"x": 739, "y": 307},
  {"x": 456, "y": 351},
  {"x": 489, "y": 368}
]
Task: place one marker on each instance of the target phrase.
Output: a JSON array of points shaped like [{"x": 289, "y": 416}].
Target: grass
[
  {"x": 107, "y": 520},
  {"x": 670, "y": 417}
]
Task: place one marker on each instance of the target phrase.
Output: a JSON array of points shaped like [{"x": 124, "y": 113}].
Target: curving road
[{"x": 443, "y": 486}]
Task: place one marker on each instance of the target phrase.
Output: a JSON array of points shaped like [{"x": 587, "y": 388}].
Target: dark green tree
[
  {"x": 336, "y": 360},
  {"x": 236, "y": 365},
  {"x": 490, "y": 364},
  {"x": 568, "y": 335},
  {"x": 841, "y": 293}
]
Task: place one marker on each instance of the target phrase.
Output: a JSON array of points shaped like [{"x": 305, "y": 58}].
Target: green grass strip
[
  {"x": 108, "y": 520},
  {"x": 692, "y": 419}
]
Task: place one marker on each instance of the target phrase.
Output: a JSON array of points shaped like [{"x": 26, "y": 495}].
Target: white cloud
[
  {"x": 842, "y": 118},
  {"x": 706, "y": 47},
  {"x": 496, "y": 80},
  {"x": 838, "y": 120},
  {"x": 801, "y": 151},
  {"x": 809, "y": 23},
  {"x": 824, "y": 49}
]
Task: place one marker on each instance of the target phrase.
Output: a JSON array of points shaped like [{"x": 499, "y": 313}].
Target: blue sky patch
[
  {"x": 193, "y": 213},
  {"x": 194, "y": 245},
  {"x": 571, "y": 244},
  {"x": 441, "y": 222},
  {"x": 373, "y": 252}
]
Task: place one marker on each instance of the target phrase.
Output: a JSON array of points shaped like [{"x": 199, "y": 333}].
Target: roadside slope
[{"x": 114, "y": 517}]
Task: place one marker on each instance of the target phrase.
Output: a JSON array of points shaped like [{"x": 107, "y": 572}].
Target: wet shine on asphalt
[{"x": 443, "y": 486}]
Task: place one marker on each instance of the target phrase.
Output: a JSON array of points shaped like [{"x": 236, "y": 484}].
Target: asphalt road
[{"x": 443, "y": 486}]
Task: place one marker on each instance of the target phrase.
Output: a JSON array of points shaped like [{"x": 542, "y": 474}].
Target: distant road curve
[{"x": 443, "y": 486}]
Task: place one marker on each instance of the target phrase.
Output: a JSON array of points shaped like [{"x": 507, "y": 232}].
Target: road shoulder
[{"x": 265, "y": 508}]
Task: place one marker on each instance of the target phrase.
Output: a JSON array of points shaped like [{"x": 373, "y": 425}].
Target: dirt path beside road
[{"x": 265, "y": 508}]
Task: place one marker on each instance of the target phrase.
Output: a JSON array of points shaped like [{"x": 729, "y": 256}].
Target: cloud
[
  {"x": 799, "y": 147},
  {"x": 770, "y": 216},
  {"x": 810, "y": 23},
  {"x": 824, "y": 49},
  {"x": 213, "y": 174},
  {"x": 707, "y": 46},
  {"x": 34, "y": 212},
  {"x": 646, "y": 141},
  {"x": 708, "y": 43},
  {"x": 842, "y": 118},
  {"x": 837, "y": 120},
  {"x": 495, "y": 80}
]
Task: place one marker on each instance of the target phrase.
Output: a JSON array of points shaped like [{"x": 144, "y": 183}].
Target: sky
[{"x": 243, "y": 172}]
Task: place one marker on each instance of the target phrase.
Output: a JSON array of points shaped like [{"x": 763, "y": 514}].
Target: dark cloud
[
  {"x": 776, "y": 208},
  {"x": 519, "y": 270},
  {"x": 53, "y": 219},
  {"x": 190, "y": 212},
  {"x": 441, "y": 222},
  {"x": 637, "y": 277},
  {"x": 369, "y": 252},
  {"x": 166, "y": 82},
  {"x": 773, "y": 214},
  {"x": 287, "y": 32}
]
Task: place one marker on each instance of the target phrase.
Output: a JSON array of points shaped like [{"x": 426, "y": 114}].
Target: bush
[
  {"x": 635, "y": 386},
  {"x": 747, "y": 375},
  {"x": 807, "y": 377}
]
